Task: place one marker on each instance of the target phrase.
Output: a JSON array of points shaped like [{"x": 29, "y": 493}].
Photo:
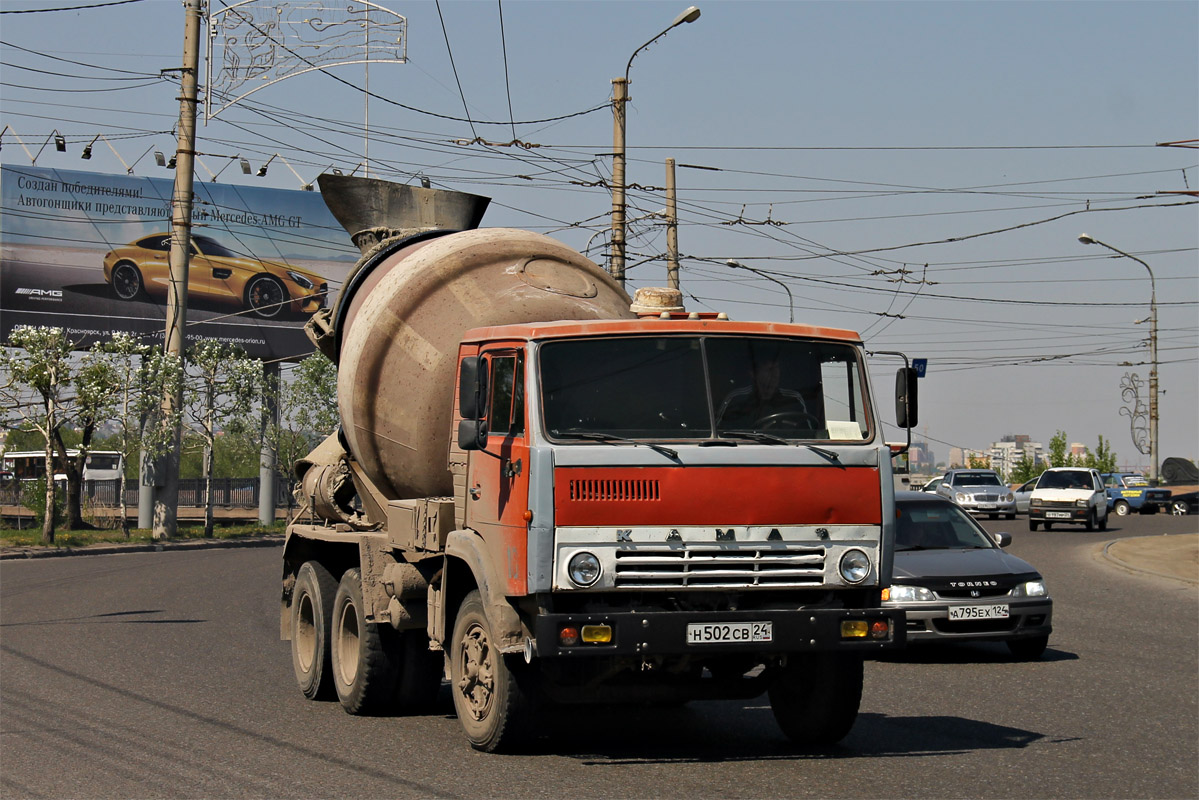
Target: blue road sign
[{"x": 921, "y": 366}]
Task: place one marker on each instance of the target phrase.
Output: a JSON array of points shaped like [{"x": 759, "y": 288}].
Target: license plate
[
  {"x": 724, "y": 632},
  {"x": 1057, "y": 514},
  {"x": 987, "y": 506},
  {"x": 978, "y": 612}
]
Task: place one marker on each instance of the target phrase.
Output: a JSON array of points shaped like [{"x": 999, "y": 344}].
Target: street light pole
[
  {"x": 1153, "y": 412},
  {"x": 620, "y": 99}
]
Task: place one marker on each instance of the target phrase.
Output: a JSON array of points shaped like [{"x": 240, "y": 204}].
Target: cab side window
[{"x": 506, "y": 416}]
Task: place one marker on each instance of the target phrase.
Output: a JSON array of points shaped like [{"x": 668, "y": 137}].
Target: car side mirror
[
  {"x": 906, "y": 398},
  {"x": 1002, "y": 539}
]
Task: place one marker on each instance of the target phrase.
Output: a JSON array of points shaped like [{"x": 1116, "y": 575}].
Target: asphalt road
[{"x": 162, "y": 675}]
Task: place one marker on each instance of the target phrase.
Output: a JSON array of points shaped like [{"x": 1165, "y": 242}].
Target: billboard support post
[
  {"x": 166, "y": 499},
  {"x": 270, "y": 424}
]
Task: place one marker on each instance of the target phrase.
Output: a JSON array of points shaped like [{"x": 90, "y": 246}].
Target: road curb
[
  {"x": 108, "y": 549},
  {"x": 1151, "y": 551}
]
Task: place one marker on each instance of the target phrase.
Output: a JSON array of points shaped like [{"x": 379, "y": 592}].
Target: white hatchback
[{"x": 1068, "y": 495}]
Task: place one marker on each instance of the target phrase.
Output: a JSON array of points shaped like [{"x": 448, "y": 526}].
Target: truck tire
[
  {"x": 1121, "y": 508},
  {"x": 493, "y": 708},
  {"x": 420, "y": 673},
  {"x": 311, "y": 621},
  {"x": 815, "y": 698},
  {"x": 366, "y": 656}
]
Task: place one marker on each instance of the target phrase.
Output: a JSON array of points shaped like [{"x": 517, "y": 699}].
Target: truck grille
[
  {"x": 618, "y": 489},
  {"x": 715, "y": 568}
]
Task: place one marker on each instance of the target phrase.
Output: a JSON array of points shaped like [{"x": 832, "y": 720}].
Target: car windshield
[
  {"x": 976, "y": 479},
  {"x": 211, "y": 247},
  {"x": 738, "y": 388},
  {"x": 937, "y": 526},
  {"x": 1066, "y": 479}
]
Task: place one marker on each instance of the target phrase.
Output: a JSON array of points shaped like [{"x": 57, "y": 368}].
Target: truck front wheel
[
  {"x": 815, "y": 698},
  {"x": 492, "y": 707},
  {"x": 366, "y": 656},
  {"x": 311, "y": 621}
]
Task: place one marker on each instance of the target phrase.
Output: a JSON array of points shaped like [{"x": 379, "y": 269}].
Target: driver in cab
[{"x": 763, "y": 402}]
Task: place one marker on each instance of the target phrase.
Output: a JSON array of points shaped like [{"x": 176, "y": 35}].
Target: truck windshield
[{"x": 704, "y": 387}]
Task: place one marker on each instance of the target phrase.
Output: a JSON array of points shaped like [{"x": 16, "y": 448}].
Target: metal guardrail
[{"x": 226, "y": 493}]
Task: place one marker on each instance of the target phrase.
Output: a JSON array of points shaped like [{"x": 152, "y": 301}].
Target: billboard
[{"x": 87, "y": 252}]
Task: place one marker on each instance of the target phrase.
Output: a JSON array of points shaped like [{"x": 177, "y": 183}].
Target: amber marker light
[
  {"x": 854, "y": 628},
  {"x": 597, "y": 634},
  {"x": 528, "y": 515}
]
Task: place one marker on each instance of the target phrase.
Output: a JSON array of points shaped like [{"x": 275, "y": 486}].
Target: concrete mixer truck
[{"x": 545, "y": 494}]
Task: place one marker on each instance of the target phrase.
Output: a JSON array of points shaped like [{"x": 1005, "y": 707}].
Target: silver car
[
  {"x": 979, "y": 491},
  {"x": 955, "y": 583}
]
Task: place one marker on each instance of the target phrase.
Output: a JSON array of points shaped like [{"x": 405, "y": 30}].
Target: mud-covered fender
[{"x": 467, "y": 548}]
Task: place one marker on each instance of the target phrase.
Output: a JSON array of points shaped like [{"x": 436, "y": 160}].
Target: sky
[{"x": 919, "y": 172}]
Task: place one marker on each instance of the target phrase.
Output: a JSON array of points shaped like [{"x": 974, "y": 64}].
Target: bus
[{"x": 101, "y": 465}]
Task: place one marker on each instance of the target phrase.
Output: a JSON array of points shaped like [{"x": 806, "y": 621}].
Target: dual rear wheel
[{"x": 370, "y": 668}]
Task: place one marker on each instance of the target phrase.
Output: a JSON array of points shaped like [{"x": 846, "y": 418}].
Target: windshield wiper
[
  {"x": 610, "y": 437},
  {"x": 769, "y": 438},
  {"x": 757, "y": 436}
]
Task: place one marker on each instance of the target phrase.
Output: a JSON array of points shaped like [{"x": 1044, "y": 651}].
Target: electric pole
[{"x": 166, "y": 503}]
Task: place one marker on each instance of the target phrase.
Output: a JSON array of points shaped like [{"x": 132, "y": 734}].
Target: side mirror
[
  {"x": 906, "y": 398},
  {"x": 472, "y": 388},
  {"x": 1002, "y": 539},
  {"x": 472, "y": 434}
]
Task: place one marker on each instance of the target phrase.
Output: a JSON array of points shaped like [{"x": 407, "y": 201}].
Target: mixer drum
[{"x": 400, "y": 334}]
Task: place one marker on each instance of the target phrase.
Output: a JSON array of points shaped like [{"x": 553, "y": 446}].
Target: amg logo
[
  {"x": 51, "y": 293},
  {"x": 972, "y": 584}
]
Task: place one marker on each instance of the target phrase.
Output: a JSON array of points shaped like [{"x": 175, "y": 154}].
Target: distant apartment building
[
  {"x": 963, "y": 458},
  {"x": 1007, "y": 453}
]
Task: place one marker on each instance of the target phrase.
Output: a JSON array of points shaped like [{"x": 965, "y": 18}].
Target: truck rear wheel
[
  {"x": 492, "y": 707},
  {"x": 815, "y": 698},
  {"x": 311, "y": 621},
  {"x": 366, "y": 656}
]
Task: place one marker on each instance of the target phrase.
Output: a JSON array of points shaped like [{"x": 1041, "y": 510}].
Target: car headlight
[
  {"x": 1081, "y": 503},
  {"x": 961, "y": 497},
  {"x": 907, "y": 594},
  {"x": 1009, "y": 498},
  {"x": 855, "y": 566},
  {"x": 300, "y": 279},
  {"x": 584, "y": 568},
  {"x": 1030, "y": 589},
  {"x": 1036, "y": 502}
]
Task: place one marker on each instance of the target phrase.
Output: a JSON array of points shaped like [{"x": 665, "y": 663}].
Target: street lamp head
[
  {"x": 691, "y": 14},
  {"x": 1085, "y": 238}
]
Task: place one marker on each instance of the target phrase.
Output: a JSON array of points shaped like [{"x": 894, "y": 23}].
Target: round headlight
[
  {"x": 584, "y": 569},
  {"x": 855, "y": 566}
]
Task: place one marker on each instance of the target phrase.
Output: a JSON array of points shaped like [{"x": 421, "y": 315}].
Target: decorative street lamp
[
  {"x": 620, "y": 97},
  {"x": 1153, "y": 411}
]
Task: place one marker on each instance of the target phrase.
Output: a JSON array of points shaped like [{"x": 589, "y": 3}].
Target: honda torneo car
[
  {"x": 216, "y": 274},
  {"x": 956, "y": 583}
]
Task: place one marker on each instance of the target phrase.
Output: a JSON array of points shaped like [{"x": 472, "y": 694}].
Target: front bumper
[
  {"x": 930, "y": 622},
  {"x": 982, "y": 507},
  {"x": 1066, "y": 516},
  {"x": 664, "y": 632}
]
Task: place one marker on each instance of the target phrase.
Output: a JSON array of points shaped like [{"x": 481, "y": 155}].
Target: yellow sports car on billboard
[{"x": 217, "y": 274}]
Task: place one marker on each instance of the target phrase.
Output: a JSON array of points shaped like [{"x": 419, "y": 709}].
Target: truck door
[{"x": 498, "y": 480}]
